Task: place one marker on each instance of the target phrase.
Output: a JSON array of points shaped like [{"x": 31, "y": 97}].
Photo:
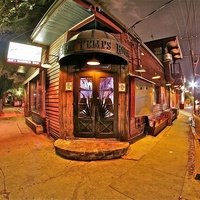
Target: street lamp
[{"x": 193, "y": 85}]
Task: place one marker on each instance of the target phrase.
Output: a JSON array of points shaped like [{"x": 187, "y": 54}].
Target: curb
[{"x": 197, "y": 153}]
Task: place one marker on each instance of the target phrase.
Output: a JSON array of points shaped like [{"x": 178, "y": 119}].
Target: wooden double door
[{"x": 95, "y": 106}]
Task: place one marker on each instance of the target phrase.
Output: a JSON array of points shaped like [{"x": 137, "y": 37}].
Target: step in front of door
[{"x": 88, "y": 150}]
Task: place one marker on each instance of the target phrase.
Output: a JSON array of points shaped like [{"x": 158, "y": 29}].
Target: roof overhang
[{"x": 60, "y": 17}]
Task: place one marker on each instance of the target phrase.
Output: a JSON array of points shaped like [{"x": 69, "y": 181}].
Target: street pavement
[{"x": 155, "y": 168}]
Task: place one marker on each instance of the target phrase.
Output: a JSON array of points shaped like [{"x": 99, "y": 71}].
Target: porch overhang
[
  {"x": 60, "y": 17},
  {"x": 93, "y": 43}
]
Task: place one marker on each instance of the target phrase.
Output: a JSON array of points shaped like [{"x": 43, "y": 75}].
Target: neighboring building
[{"x": 111, "y": 100}]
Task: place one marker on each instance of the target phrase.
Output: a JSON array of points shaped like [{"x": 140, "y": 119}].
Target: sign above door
[{"x": 93, "y": 43}]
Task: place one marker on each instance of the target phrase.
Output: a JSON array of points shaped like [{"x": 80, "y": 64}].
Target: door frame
[{"x": 88, "y": 73}]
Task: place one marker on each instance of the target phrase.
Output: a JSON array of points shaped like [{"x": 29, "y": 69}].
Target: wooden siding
[
  {"x": 66, "y": 104},
  {"x": 52, "y": 91},
  {"x": 152, "y": 66}
]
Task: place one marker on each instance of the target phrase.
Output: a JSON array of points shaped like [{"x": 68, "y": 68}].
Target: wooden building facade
[{"x": 112, "y": 100}]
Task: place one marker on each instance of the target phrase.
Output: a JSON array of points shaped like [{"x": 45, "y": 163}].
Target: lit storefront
[{"x": 77, "y": 98}]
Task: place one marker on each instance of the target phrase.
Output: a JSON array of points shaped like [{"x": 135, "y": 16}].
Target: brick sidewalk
[
  {"x": 155, "y": 168},
  {"x": 12, "y": 112}
]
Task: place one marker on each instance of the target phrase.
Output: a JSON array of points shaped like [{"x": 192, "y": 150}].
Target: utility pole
[{"x": 194, "y": 94}]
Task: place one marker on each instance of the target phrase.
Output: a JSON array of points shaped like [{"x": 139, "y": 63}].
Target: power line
[{"x": 151, "y": 14}]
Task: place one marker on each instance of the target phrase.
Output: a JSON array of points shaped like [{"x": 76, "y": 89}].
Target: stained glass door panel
[
  {"x": 105, "y": 107},
  {"x": 85, "y": 108},
  {"x": 96, "y": 106}
]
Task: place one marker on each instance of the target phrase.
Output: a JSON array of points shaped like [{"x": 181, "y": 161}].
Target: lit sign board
[{"x": 24, "y": 54}]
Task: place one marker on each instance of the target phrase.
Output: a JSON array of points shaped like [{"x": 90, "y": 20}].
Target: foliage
[
  {"x": 5, "y": 84},
  {"x": 20, "y": 15},
  {"x": 189, "y": 98},
  {"x": 18, "y": 18}
]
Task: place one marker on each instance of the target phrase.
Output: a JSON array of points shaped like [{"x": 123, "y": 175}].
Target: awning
[
  {"x": 61, "y": 16},
  {"x": 32, "y": 76},
  {"x": 93, "y": 43}
]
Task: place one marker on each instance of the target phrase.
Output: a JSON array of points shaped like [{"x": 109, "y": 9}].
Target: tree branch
[
  {"x": 20, "y": 19},
  {"x": 2, "y": 7}
]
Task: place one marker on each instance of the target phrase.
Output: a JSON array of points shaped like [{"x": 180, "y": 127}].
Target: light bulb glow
[
  {"x": 193, "y": 84},
  {"x": 140, "y": 69},
  {"x": 156, "y": 77},
  {"x": 46, "y": 65},
  {"x": 93, "y": 62}
]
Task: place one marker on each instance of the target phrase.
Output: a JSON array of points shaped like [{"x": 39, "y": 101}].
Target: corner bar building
[{"x": 111, "y": 100}]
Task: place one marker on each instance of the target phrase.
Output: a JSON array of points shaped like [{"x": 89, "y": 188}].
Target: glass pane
[
  {"x": 106, "y": 97},
  {"x": 85, "y": 97},
  {"x": 33, "y": 96}
]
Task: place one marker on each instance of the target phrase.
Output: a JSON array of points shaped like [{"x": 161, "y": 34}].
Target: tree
[
  {"x": 19, "y": 16},
  {"x": 4, "y": 85}
]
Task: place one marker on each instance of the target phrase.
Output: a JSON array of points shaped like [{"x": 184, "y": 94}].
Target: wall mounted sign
[
  {"x": 68, "y": 86},
  {"x": 103, "y": 45},
  {"x": 144, "y": 97},
  {"x": 24, "y": 54},
  {"x": 122, "y": 87},
  {"x": 97, "y": 45}
]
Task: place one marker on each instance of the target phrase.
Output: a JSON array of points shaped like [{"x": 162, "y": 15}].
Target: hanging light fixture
[
  {"x": 167, "y": 57},
  {"x": 93, "y": 62},
  {"x": 46, "y": 65},
  {"x": 156, "y": 76},
  {"x": 168, "y": 84},
  {"x": 140, "y": 69},
  {"x": 21, "y": 70}
]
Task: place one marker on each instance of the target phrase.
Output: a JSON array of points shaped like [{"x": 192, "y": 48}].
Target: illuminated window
[
  {"x": 33, "y": 94},
  {"x": 36, "y": 95}
]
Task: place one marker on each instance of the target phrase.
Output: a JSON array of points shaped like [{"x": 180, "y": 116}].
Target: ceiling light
[
  {"x": 168, "y": 84},
  {"x": 167, "y": 57},
  {"x": 21, "y": 70},
  {"x": 156, "y": 76},
  {"x": 93, "y": 62},
  {"x": 140, "y": 69}
]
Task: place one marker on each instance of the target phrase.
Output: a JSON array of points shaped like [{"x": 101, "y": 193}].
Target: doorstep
[
  {"x": 88, "y": 150},
  {"x": 37, "y": 128}
]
